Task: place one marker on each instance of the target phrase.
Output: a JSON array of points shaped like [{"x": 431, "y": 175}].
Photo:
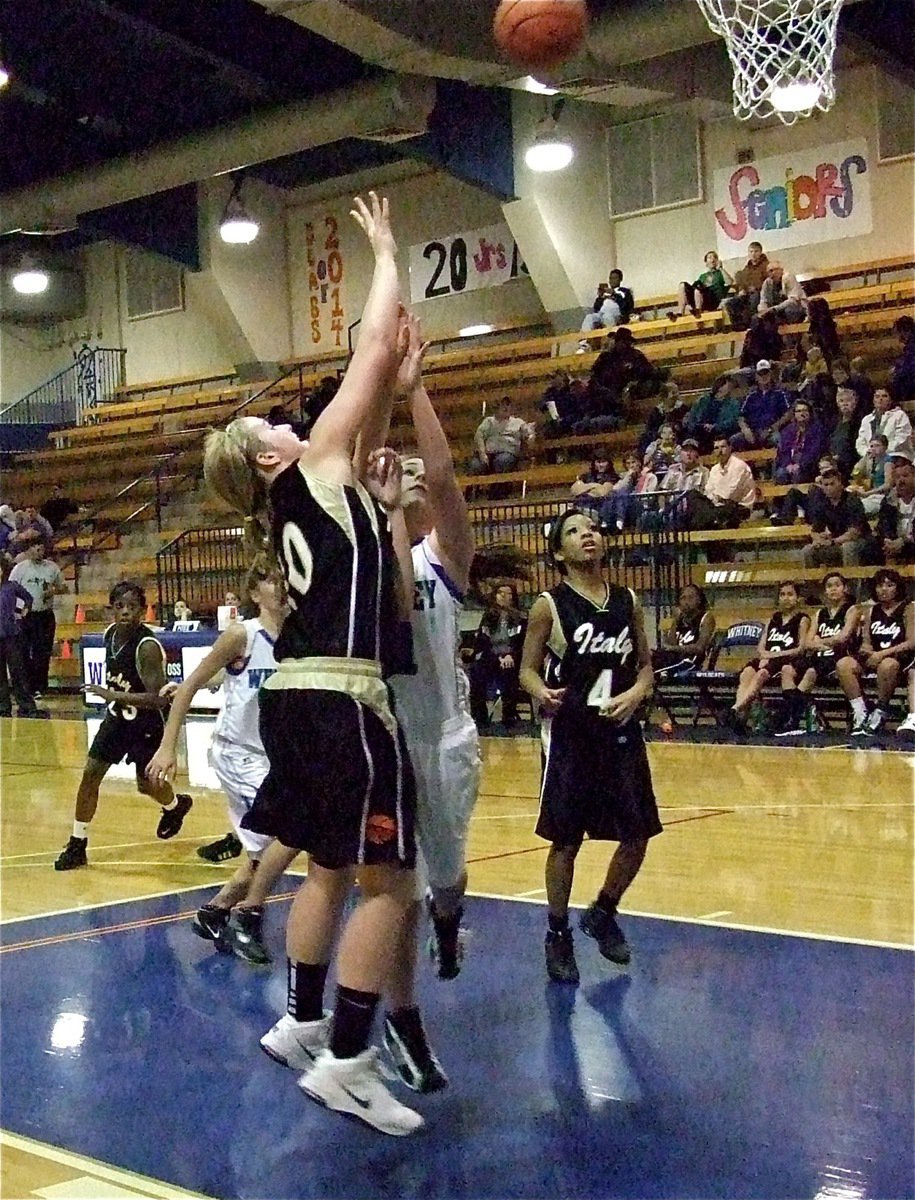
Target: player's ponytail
[{"x": 229, "y": 471}]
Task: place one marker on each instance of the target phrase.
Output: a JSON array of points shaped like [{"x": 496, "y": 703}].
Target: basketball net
[{"x": 781, "y": 52}]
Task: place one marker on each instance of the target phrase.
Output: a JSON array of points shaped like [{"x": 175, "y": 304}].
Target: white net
[{"x": 781, "y": 52}]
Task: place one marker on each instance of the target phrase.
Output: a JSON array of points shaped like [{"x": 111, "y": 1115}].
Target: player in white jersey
[
  {"x": 244, "y": 651},
  {"x": 432, "y": 707}
]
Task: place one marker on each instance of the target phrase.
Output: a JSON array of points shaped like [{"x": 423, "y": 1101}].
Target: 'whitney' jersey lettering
[{"x": 238, "y": 719}]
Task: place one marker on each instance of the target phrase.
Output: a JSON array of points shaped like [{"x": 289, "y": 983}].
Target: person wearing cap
[
  {"x": 782, "y": 294},
  {"x": 763, "y": 413},
  {"x": 896, "y": 518},
  {"x": 728, "y": 497},
  {"x": 800, "y": 445},
  {"x": 840, "y": 534},
  {"x": 686, "y": 474},
  {"x": 889, "y": 419}
]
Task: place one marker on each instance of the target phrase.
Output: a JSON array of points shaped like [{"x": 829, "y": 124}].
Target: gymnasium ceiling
[{"x": 104, "y": 83}]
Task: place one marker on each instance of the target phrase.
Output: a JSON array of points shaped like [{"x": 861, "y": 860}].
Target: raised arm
[{"x": 367, "y": 382}]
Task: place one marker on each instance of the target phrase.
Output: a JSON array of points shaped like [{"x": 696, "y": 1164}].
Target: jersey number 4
[{"x": 601, "y": 693}]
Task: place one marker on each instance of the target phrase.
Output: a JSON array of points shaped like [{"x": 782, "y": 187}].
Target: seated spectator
[
  {"x": 729, "y": 496},
  {"x": 781, "y": 647},
  {"x": 181, "y": 611},
  {"x": 58, "y": 508},
  {"x": 887, "y": 654},
  {"x": 30, "y": 524},
  {"x": 818, "y": 387},
  {"x": 592, "y": 487},
  {"x": 844, "y": 434},
  {"x": 686, "y": 641},
  {"x": 315, "y": 401},
  {"x": 840, "y": 533},
  {"x": 748, "y": 282},
  {"x": 497, "y": 656},
  {"x": 663, "y": 451},
  {"x": 7, "y": 525},
  {"x": 706, "y": 294},
  {"x": 822, "y": 333},
  {"x": 686, "y": 474},
  {"x": 887, "y": 418},
  {"x": 831, "y": 632},
  {"x": 716, "y": 414},
  {"x": 896, "y": 516},
  {"x": 800, "y": 444},
  {"x": 902, "y": 377},
  {"x": 500, "y": 440},
  {"x": 613, "y": 305},
  {"x": 601, "y": 411},
  {"x": 786, "y": 510},
  {"x": 624, "y": 506},
  {"x": 622, "y": 370},
  {"x": 670, "y": 410},
  {"x": 762, "y": 341},
  {"x": 872, "y": 476},
  {"x": 763, "y": 413},
  {"x": 564, "y": 402},
  {"x": 782, "y": 295},
  {"x": 857, "y": 379},
  {"x": 278, "y": 416}
]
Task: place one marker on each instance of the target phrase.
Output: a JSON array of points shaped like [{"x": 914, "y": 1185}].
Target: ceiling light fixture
[
  {"x": 475, "y": 330},
  {"x": 551, "y": 150},
  {"x": 795, "y": 96},
  {"x": 30, "y": 280},
  {"x": 4, "y": 76},
  {"x": 237, "y": 226},
  {"x": 541, "y": 89}
]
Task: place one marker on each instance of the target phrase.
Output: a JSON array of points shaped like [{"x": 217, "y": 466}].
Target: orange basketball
[{"x": 540, "y": 33}]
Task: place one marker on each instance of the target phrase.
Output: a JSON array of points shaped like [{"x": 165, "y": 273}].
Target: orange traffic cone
[
  {"x": 66, "y": 650},
  {"x": 80, "y": 616},
  {"x": 150, "y": 612}
]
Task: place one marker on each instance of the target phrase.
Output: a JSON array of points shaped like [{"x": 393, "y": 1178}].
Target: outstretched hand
[
  {"x": 383, "y": 477},
  {"x": 376, "y": 223},
  {"x": 410, "y": 371}
]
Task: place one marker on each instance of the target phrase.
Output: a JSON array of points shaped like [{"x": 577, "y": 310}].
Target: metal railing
[
  {"x": 199, "y": 566},
  {"x": 70, "y": 395}
]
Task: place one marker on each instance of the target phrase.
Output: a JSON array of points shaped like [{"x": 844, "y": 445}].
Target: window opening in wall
[
  {"x": 153, "y": 285},
  {"x": 654, "y": 163},
  {"x": 895, "y": 118}
]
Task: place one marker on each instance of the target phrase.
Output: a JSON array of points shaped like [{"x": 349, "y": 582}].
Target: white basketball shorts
[
  {"x": 447, "y": 770},
  {"x": 240, "y": 772}
]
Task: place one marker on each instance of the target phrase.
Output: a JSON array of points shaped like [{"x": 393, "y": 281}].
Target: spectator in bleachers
[
  {"x": 781, "y": 647},
  {"x": 41, "y": 578},
  {"x": 623, "y": 371},
  {"x": 670, "y": 410},
  {"x": 613, "y": 305},
  {"x": 564, "y": 402},
  {"x": 887, "y": 418},
  {"x": 822, "y": 333},
  {"x": 887, "y": 653},
  {"x": 686, "y": 474},
  {"x": 762, "y": 341},
  {"x": 840, "y": 533},
  {"x": 903, "y": 373},
  {"x": 896, "y": 517},
  {"x": 858, "y": 380},
  {"x": 601, "y": 410},
  {"x": 315, "y": 401},
  {"x": 748, "y": 282},
  {"x": 686, "y": 641},
  {"x": 800, "y": 444},
  {"x": 58, "y": 508},
  {"x": 844, "y": 433},
  {"x": 782, "y": 294},
  {"x": 500, "y": 440},
  {"x": 729, "y": 496},
  {"x": 763, "y": 413},
  {"x": 813, "y": 500},
  {"x": 832, "y": 632},
  {"x": 30, "y": 525},
  {"x": 707, "y": 292},
  {"x": 872, "y": 475},
  {"x": 7, "y": 525},
  {"x": 497, "y": 656},
  {"x": 663, "y": 451},
  {"x": 15, "y": 604},
  {"x": 818, "y": 387},
  {"x": 278, "y": 416},
  {"x": 591, "y": 489},
  {"x": 623, "y": 506},
  {"x": 716, "y": 414}
]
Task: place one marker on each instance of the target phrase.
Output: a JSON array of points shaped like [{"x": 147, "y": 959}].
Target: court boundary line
[{"x": 92, "y": 1166}]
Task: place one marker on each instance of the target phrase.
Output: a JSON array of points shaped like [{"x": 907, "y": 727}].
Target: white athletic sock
[
  {"x": 169, "y": 807},
  {"x": 80, "y": 829},
  {"x": 858, "y": 707}
]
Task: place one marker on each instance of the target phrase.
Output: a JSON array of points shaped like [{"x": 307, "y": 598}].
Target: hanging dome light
[
  {"x": 30, "y": 280},
  {"x": 551, "y": 150},
  {"x": 237, "y": 227}
]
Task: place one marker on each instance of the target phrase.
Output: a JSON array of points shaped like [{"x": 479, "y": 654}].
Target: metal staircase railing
[{"x": 68, "y": 396}]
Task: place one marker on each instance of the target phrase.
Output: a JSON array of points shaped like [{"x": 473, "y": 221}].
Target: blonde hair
[{"x": 229, "y": 471}]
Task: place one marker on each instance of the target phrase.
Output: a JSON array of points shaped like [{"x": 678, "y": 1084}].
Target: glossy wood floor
[{"x": 787, "y": 839}]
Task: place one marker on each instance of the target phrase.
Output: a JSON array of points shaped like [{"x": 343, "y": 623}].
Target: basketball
[{"x": 540, "y": 33}]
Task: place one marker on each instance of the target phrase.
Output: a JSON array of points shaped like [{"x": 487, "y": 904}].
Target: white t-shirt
[
  {"x": 33, "y": 576},
  {"x": 238, "y": 720}
]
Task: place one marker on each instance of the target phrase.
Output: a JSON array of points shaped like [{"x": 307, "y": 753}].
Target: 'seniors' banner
[
  {"x": 814, "y": 195},
  {"x": 464, "y": 262}
]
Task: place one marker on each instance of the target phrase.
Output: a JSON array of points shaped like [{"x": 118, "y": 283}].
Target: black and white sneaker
[
  {"x": 209, "y": 922},
  {"x": 243, "y": 936},
  {"x": 296, "y": 1044},
  {"x": 412, "y": 1056},
  {"x": 560, "y": 956},
  {"x": 173, "y": 818},
  {"x": 221, "y": 850},
  {"x": 861, "y": 727},
  {"x": 875, "y": 720},
  {"x": 604, "y": 928},
  {"x": 446, "y": 942},
  {"x": 354, "y": 1086},
  {"x": 73, "y": 855}
]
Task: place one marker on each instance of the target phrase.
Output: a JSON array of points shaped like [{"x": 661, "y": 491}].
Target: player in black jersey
[
  {"x": 832, "y": 634},
  {"x": 887, "y": 653},
  {"x": 340, "y": 785},
  {"x": 687, "y": 641},
  {"x": 132, "y": 728},
  {"x": 587, "y": 638},
  {"x": 781, "y": 647}
]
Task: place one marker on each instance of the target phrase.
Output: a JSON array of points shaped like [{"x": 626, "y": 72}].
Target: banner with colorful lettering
[
  {"x": 815, "y": 195},
  {"x": 464, "y": 262}
]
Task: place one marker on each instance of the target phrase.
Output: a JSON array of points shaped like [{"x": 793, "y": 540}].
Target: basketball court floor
[{"x": 760, "y": 1044}]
